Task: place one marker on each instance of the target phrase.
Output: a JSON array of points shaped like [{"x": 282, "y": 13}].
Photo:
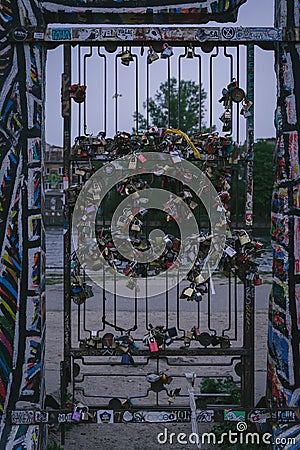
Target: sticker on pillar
[
  {"x": 294, "y": 155},
  {"x": 105, "y": 416},
  {"x": 32, "y": 375},
  {"x": 279, "y": 229},
  {"x": 291, "y": 113},
  {"x": 33, "y": 314},
  {"x": 297, "y": 297},
  {"x": 34, "y": 227},
  {"x": 34, "y": 272},
  {"x": 296, "y": 197},
  {"x": 281, "y": 352},
  {"x": 280, "y": 200},
  {"x": 280, "y": 295},
  {"x": 34, "y": 189},
  {"x": 24, "y": 417},
  {"x": 234, "y": 416},
  {"x": 297, "y": 245},
  {"x": 34, "y": 150}
]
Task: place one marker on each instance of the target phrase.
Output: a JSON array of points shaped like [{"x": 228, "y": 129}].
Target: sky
[{"x": 253, "y": 13}]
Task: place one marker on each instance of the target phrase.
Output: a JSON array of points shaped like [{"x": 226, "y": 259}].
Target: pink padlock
[{"x": 153, "y": 347}]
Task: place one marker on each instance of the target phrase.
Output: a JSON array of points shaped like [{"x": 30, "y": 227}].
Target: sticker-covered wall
[
  {"x": 284, "y": 306},
  {"x": 22, "y": 299}
]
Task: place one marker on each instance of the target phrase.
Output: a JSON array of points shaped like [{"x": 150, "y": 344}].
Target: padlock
[
  {"x": 225, "y": 341},
  {"x": 197, "y": 296},
  {"x": 77, "y": 412},
  {"x": 122, "y": 222},
  {"x": 85, "y": 413},
  {"x": 132, "y": 163},
  {"x": 153, "y": 347},
  {"x": 237, "y": 94},
  {"x": 126, "y": 58},
  {"x": 227, "y": 115},
  {"x": 187, "y": 293},
  {"x": 205, "y": 339},
  {"x": 244, "y": 237},
  {"x": 196, "y": 333},
  {"x": 77, "y": 293},
  {"x": 152, "y": 55},
  {"x": 167, "y": 51},
  {"x": 257, "y": 281},
  {"x": 136, "y": 226},
  {"x": 126, "y": 360}
]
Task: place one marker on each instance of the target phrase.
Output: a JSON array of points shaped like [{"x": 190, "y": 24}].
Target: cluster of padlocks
[
  {"x": 159, "y": 140},
  {"x": 131, "y": 229},
  {"x": 155, "y": 340}
]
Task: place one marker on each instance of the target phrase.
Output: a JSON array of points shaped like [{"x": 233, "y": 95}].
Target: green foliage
[
  {"x": 263, "y": 179},
  {"x": 189, "y": 106},
  {"x": 221, "y": 385}
]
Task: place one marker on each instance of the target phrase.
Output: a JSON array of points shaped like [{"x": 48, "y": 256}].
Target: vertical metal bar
[
  {"x": 229, "y": 305},
  {"x": 167, "y": 300},
  {"x": 87, "y": 55},
  {"x": 103, "y": 301},
  {"x": 101, "y": 55},
  {"x": 136, "y": 93},
  {"x": 248, "y": 360},
  {"x": 238, "y": 80},
  {"x": 211, "y": 87},
  {"x": 169, "y": 92},
  {"x": 179, "y": 92},
  {"x": 250, "y": 138},
  {"x": 116, "y": 93},
  {"x": 249, "y": 293},
  {"x": 67, "y": 234},
  {"x": 147, "y": 93},
  {"x": 200, "y": 87},
  {"x": 79, "y": 81}
]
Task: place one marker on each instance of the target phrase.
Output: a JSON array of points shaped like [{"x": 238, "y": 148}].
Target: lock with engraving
[
  {"x": 152, "y": 55},
  {"x": 166, "y": 52}
]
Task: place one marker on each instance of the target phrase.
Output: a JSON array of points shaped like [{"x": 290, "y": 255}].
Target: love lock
[
  {"x": 152, "y": 55},
  {"x": 77, "y": 414},
  {"x": 166, "y": 51},
  {"x": 126, "y": 58},
  {"x": 77, "y": 92},
  {"x": 136, "y": 226},
  {"x": 225, "y": 341},
  {"x": 188, "y": 292},
  {"x": 244, "y": 237},
  {"x": 78, "y": 294},
  {"x": 205, "y": 339}
]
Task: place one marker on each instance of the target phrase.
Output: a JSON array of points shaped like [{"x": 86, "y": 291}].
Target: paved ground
[{"x": 140, "y": 436}]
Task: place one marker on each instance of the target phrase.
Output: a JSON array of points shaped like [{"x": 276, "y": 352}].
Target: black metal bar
[
  {"x": 102, "y": 55},
  {"x": 169, "y": 92},
  {"x": 87, "y": 55},
  {"x": 67, "y": 234},
  {"x": 136, "y": 93},
  {"x": 211, "y": 86}
]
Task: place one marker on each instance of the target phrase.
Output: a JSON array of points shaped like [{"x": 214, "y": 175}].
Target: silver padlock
[
  {"x": 244, "y": 237},
  {"x": 167, "y": 51}
]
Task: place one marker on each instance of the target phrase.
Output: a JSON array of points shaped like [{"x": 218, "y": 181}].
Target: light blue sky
[{"x": 253, "y": 13}]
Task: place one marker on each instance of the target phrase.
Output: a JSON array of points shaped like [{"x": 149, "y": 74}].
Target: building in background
[{"x": 53, "y": 185}]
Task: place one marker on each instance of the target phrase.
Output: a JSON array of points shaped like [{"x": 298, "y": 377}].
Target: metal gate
[{"x": 108, "y": 363}]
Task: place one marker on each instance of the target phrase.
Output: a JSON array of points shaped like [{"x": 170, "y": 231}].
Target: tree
[
  {"x": 263, "y": 177},
  {"x": 189, "y": 107}
]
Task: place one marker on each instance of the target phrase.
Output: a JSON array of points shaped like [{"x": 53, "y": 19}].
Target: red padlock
[
  {"x": 153, "y": 347},
  {"x": 257, "y": 281}
]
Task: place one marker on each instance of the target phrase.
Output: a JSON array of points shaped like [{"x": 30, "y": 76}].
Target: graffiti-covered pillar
[
  {"x": 22, "y": 300},
  {"x": 284, "y": 311}
]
